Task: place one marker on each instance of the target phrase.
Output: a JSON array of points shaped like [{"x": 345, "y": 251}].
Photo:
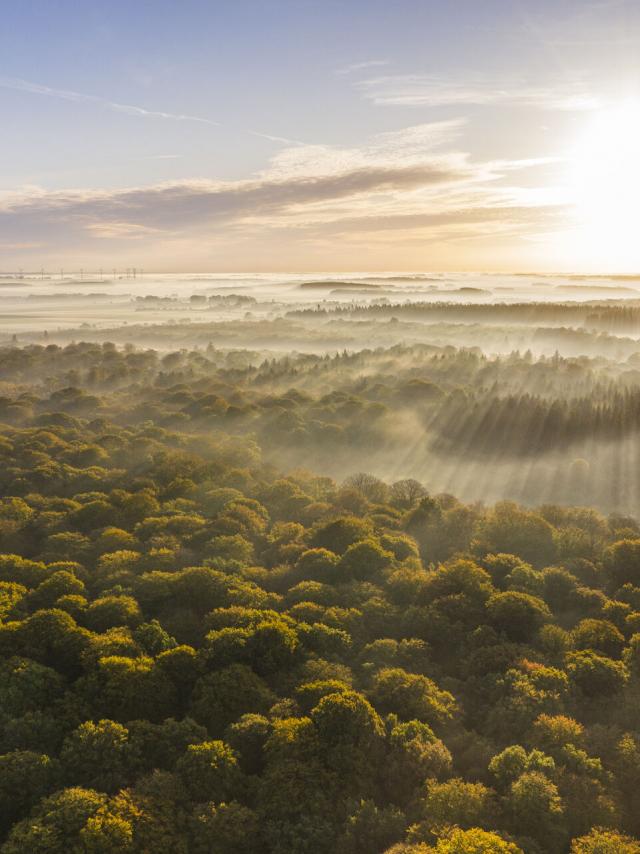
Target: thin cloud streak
[
  {"x": 361, "y": 66},
  {"x": 20, "y": 85},
  {"x": 425, "y": 90},
  {"x": 272, "y": 138}
]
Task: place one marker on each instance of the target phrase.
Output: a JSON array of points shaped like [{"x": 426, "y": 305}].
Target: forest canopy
[{"x": 204, "y": 651}]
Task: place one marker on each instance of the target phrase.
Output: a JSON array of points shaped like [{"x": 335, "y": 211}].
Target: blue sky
[{"x": 304, "y": 135}]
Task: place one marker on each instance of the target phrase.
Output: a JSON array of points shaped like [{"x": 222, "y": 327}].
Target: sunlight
[{"x": 605, "y": 186}]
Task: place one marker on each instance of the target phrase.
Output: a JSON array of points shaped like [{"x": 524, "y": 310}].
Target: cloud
[
  {"x": 411, "y": 145},
  {"x": 433, "y": 90},
  {"x": 361, "y": 66},
  {"x": 20, "y": 85},
  {"x": 514, "y": 216},
  {"x": 24, "y": 245},
  {"x": 271, "y": 138},
  {"x": 121, "y": 230},
  {"x": 180, "y": 206},
  {"x": 403, "y": 182}
]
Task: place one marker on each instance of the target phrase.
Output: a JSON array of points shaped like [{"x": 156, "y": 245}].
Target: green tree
[
  {"x": 248, "y": 737},
  {"x": 371, "y": 828},
  {"x": 411, "y": 696},
  {"x": 72, "y": 821},
  {"x": 61, "y": 583},
  {"x": 220, "y": 698},
  {"x": 518, "y": 615},
  {"x": 364, "y": 559},
  {"x": 98, "y": 756},
  {"x": 414, "y": 755},
  {"x": 596, "y": 675},
  {"x": 210, "y": 771},
  {"x": 534, "y": 808},
  {"x": 25, "y": 778},
  {"x": 514, "y": 761},
  {"x": 622, "y": 561},
  {"x": 602, "y": 841},
  {"x": 599, "y": 635},
  {"x": 27, "y": 686},
  {"x": 225, "y": 828},
  {"x": 510, "y": 529},
  {"x": 457, "y": 841},
  {"x": 153, "y": 638},
  {"x": 553, "y": 732},
  {"x": 126, "y": 689},
  {"x": 453, "y": 803},
  {"x": 338, "y": 535},
  {"x": 109, "y": 611}
]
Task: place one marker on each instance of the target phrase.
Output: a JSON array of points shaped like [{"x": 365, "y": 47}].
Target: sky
[{"x": 295, "y": 135}]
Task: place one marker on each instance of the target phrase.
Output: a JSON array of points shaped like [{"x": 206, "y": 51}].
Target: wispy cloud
[
  {"x": 433, "y": 90},
  {"x": 20, "y": 85},
  {"x": 412, "y": 183},
  {"x": 361, "y": 66},
  {"x": 408, "y": 146},
  {"x": 121, "y": 230},
  {"x": 184, "y": 205},
  {"x": 272, "y": 138}
]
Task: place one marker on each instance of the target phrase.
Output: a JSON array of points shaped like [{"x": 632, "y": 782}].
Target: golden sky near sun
[{"x": 454, "y": 136}]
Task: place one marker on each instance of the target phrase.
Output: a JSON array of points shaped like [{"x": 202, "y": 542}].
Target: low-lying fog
[
  {"x": 70, "y": 307},
  {"x": 485, "y": 386}
]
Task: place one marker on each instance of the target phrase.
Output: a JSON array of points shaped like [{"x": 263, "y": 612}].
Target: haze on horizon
[{"x": 320, "y": 136}]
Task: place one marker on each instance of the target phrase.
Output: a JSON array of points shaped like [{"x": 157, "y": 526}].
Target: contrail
[{"x": 20, "y": 85}]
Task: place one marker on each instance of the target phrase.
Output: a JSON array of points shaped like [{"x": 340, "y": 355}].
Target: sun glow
[{"x": 605, "y": 189}]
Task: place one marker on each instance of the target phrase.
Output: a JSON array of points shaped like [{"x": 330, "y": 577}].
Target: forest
[
  {"x": 479, "y": 426},
  {"x": 221, "y": 633},
  {"x": 319, "y": 427}
]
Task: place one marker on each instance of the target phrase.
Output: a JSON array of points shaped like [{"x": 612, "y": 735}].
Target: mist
[{"x": 483, "y": 386}]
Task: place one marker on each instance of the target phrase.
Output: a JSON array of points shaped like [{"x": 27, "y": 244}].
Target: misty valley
[
  {"x": 319, "y": 427},
  {"x": 485, "y": 387},
  {"x": 319, "y": 565}
]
